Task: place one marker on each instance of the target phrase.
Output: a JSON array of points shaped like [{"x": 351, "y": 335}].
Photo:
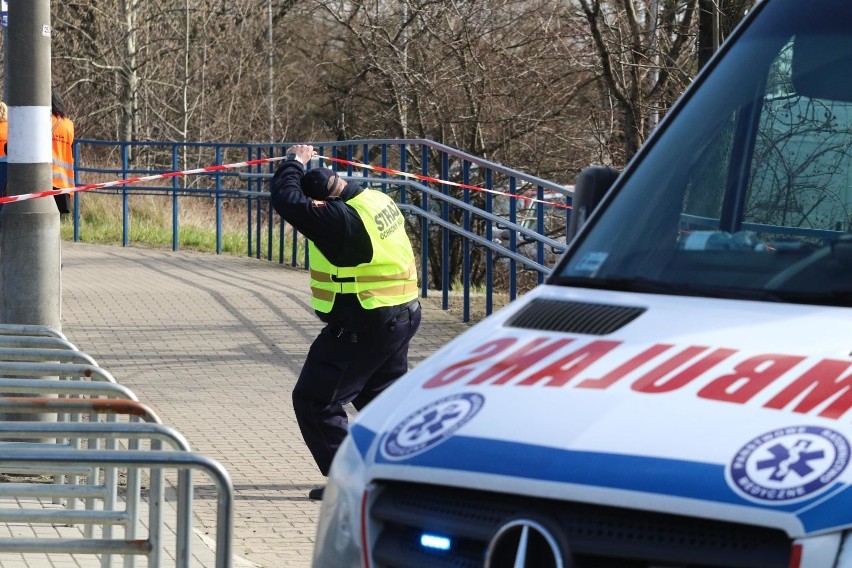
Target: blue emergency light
[{"x": 435, "y": 542}]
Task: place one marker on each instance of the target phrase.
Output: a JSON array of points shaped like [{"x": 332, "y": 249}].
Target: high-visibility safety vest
[
  {"x": 63, "y": 154},
  {"x": 4, "y": 136},
  {"x": 389, "y": 279}
]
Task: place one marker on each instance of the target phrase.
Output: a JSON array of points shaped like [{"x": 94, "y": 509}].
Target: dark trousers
[
  {"x": 344, "y": 367},
  {"x": 64, "y": 202}
]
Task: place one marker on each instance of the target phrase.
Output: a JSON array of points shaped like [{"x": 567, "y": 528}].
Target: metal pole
[
  {"x": 29, "y": 230},
  {"x": 30, "y": 289},
  {"x": 403, "y": 112},
  {"x": 271, "y": 75},
  {"x": 653, "y": 13},
  {"x": 716, "y": 26}
]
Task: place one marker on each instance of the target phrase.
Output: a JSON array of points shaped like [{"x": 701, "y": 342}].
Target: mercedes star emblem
[{"x": 523, "y": 543}]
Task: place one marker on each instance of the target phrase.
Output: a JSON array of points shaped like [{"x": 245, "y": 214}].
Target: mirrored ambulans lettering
[
  {"x": 558, "y": 374},
  {"x": 822, "y": 387},
  {"x": 749, "y": 378},
  {"x": 631, "y": 365},
  {"x": 655, "y": 380},
  {"x": 821, "y": 383},
  {"x": 461, "y": 368},
  {"x": 522, "y": 358}
]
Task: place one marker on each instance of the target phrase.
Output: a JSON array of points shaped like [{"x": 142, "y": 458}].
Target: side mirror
[{"x": 591, "y": 185}]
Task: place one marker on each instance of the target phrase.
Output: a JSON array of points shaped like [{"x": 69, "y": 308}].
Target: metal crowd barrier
[
  {"x": 31, "y": 330},
  {"x": 77, "y": 406},
  {"x": 119, "y": 458}
]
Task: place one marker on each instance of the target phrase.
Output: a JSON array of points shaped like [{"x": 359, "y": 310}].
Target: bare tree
[
  {"x": 717, "y": 19},
  {"x": 173, "y": 69},
  {"x": 544, "y": 85},
  {"x": 644, "y": 57},
  {"x": 493, "y": 78}
]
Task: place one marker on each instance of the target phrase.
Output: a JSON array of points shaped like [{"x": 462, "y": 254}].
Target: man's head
[{"x": 322, "y": 184}]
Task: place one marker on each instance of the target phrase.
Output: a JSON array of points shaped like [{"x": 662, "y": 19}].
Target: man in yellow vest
[{"x": 363, "y": 286}]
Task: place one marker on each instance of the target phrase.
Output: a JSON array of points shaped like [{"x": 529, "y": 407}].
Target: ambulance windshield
[{"x": 746, "y": 191}]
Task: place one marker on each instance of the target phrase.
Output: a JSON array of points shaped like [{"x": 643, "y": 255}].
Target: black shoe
[{"x": 316, "y": 494}]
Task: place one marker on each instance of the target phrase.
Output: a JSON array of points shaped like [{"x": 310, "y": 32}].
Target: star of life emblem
[
  {"x": 431, "y": 425},
  {"x": 788, "y": 464}
]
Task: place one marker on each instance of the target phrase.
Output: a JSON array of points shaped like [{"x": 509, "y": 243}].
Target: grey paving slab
[{"x": 214, "y": 343}]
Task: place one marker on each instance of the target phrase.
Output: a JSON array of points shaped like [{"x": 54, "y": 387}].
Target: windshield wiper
[
  {"x": 647, "y": 286},
  {"x": 837, "y": 297}
]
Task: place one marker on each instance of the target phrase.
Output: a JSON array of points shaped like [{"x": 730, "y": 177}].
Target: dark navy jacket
[{"x": 338, "y": 232}]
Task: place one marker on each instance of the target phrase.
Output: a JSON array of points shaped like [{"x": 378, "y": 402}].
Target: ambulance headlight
[{"x": 338, "y": 541}]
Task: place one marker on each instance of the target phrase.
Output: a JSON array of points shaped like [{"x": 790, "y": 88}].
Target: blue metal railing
[{"x": 499, "y": 224}]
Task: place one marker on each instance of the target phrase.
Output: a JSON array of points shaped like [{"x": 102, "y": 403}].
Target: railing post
[
  {"x": 125, "y": 209},
  {"x": 424, "y": 225},
  {"x": 466, "y": 243},
  {"x": 489, "y": 255},
  {"x": 540, "y": 227},
  {"x": 513, "y": 238},
  {"x": 403, "y": 167},
  {"x": 218, "y": 201},
  {"x": 282, "y": 227},
  {"x": 175, "y": 187},
  {"x": 248, "y": 207},
  {"x": 76, "y": 195},
  {"x": 445, "y": 234},
  {"x": 258, "y": 223},
  {"x": 385, "y": 164},
  {"x": 365, "y": 153},
  {"x": 248, "y": 225},
  {"x": 269, "y": 217}
]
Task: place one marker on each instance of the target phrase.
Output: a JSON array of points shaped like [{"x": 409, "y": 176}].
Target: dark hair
[{"x": 57, "y": 107}]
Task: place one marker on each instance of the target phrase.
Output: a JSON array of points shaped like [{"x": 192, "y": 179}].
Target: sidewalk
[{"x": 214, "y": 345}]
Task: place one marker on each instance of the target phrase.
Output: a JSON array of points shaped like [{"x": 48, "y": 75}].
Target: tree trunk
[
  {"x": 708, "y": 31},
  {"x": 129, "y": 117}
]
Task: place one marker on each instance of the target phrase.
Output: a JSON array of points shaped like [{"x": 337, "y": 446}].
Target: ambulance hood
[{"x": 713, "y": 408}]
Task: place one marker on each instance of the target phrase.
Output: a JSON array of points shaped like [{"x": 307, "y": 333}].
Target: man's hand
[{"x": 304, "y": 152}]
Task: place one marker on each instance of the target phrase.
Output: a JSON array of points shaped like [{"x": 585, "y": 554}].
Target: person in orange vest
[
  {"x": 4, "y": 128},
  {"x": 4, "y": 138},
  {"x": 62, "y": 133}
]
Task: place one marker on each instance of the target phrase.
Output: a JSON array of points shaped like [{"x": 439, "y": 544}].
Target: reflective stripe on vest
[{"x": 389, "y": 279}]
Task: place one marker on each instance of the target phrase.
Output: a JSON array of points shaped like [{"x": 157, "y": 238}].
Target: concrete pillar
[
  {"x": 30, "y": 288},
  {"x": 29, "y": 230}
]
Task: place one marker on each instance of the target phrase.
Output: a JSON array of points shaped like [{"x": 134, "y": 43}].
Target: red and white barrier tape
[
  {"x": 443, "y": 181},
  {"x": 120, "y": 182},
  {"x": 49, "y": 192}
]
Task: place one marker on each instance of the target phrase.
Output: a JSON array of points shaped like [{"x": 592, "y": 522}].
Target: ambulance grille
[
  {"x": 574, "y": 317},
  {"x": 462, "y": 523}
]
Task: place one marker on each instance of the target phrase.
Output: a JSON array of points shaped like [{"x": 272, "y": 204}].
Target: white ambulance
[{"x": 678, "y": 393}]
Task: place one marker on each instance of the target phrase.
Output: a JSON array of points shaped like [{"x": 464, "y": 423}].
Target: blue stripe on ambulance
[{"x": 677, "y": 478}]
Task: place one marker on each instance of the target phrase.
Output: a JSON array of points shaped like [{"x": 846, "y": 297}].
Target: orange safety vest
[
  {"x": 63, "y": 155},
  {"x": 4, "y": 136}
]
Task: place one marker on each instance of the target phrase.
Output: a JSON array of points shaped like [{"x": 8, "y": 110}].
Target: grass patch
[{"x": 151, "y": 224}]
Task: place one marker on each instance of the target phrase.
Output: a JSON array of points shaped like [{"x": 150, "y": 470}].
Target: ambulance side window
[
  {"x": 800, "y": 175},
  {"x": 703, "y": 196}
]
